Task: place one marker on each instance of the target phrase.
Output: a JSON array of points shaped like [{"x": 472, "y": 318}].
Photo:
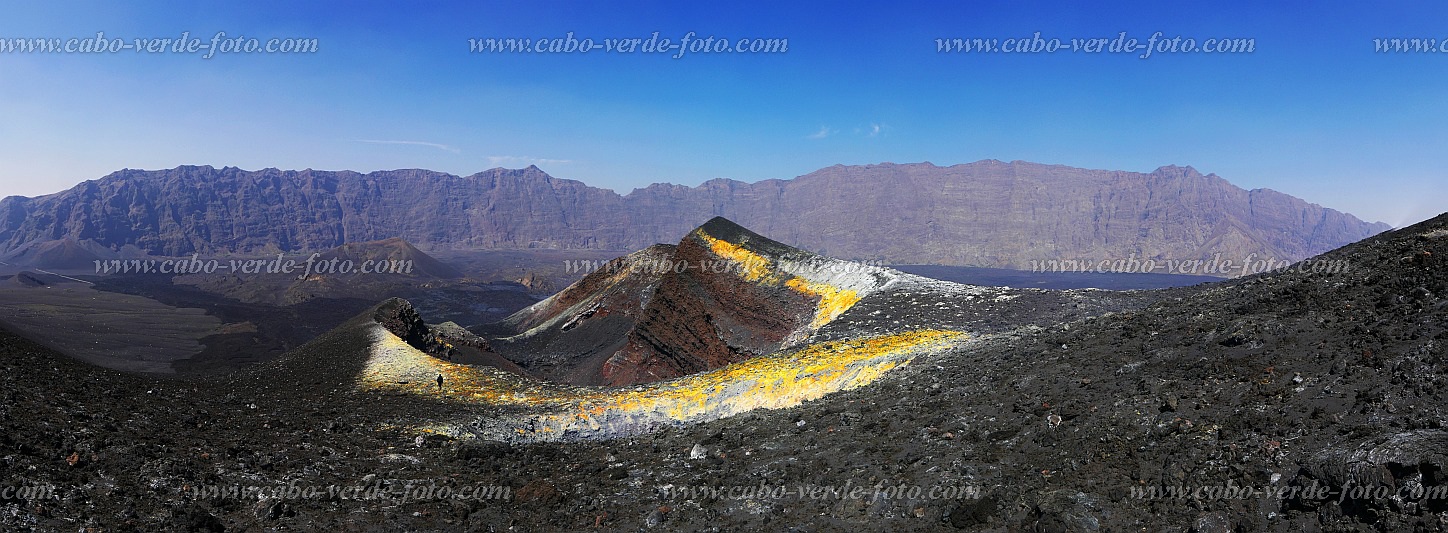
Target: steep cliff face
[
  {"x": 987, "y": 213},
  {"x": 202, "y": 209},
  {"x": 1007, "y": 214}
]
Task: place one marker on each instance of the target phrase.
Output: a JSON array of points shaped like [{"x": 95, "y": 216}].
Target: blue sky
[{"x": 1312, "y": 111}]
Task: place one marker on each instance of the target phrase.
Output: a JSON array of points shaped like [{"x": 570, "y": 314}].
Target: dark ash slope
[{"x": 1276, "y": 380}]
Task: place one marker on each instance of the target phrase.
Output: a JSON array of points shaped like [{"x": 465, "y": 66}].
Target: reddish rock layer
[{"x": 700, "y": 319}]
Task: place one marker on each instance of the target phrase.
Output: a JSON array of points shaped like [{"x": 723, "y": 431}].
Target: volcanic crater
[{"x": 724, "y": 322}]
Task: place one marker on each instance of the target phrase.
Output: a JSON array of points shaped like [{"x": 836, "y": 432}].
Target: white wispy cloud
[
  {"x": 824, "y": 131},
  {"x": 523, "y": 160},
  {"x": 875, "y": 129},
  {"x": 442, "y": 147}
]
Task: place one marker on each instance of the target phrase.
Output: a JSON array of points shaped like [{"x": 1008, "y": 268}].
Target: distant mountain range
[{"x": 988, "y": 213}]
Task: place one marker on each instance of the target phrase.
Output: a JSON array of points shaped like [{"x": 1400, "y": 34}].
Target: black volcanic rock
[
  {"x": 400, "y": 318},
  {"x": 445, "y": 341},
  {"x": 1046, "y": 422},
  {"x": 987, "y": 213}
]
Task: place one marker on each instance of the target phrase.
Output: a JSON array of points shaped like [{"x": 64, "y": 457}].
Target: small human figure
[{"x": 439, "y": 382}]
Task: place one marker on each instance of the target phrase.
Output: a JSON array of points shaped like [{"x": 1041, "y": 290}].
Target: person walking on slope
[{"x": 439, "y": 382}]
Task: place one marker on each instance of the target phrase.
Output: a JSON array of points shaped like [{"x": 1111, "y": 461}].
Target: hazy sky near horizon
[{"x": 1312, "y": 111}]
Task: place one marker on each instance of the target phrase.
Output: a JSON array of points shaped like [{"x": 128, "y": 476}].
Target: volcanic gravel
[{"x": 1063, "y": 407}]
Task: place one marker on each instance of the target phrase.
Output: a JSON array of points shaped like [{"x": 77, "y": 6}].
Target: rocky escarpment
[{"x": 988, "y": 213}]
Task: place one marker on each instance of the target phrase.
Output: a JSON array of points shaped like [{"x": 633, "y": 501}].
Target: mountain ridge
[{"x": 987, "y": 213}]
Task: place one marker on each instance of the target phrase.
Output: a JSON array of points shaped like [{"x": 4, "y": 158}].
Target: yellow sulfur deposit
[
  {"x": 756, "y": 268},
  {"x": 773, "y": 381}
]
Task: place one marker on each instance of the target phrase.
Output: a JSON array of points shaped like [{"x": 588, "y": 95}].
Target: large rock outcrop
[{"x": 724, "y": 294}]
